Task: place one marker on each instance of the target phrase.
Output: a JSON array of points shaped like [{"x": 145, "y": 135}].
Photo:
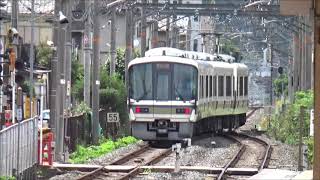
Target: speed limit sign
[{"x": 113, "y": 117}]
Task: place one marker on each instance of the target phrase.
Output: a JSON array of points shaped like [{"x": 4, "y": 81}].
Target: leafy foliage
[
  {"x": 120, "y": 62},
  {"x": 282, "y": 80},
  {"x": 285, "y": 124},
  {"x": 113, "y": 93},
  {"x": 7, "y": 178},
  {"x": 44, "y": 55},
  {"x": 83, "y": 154}
]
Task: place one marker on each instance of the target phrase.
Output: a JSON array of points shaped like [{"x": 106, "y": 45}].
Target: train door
[{"x": 163, "y": 91}]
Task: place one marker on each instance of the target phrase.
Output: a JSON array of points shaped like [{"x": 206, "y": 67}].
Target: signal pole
[{"x": 96, "y": 73}]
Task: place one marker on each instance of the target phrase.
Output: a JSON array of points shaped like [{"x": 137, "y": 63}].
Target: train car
[{"x": 175, "y": 94}]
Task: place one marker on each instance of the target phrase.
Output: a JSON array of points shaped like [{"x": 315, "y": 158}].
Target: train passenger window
[
  {"x": 163, "y": 84},
  {"x": 207, "y": 86},
  {"x": 220, "y": 85},
  {"x": 214, "y": 87},
  {"x": 228, "y": 85},
  {"x": 184, "y": 82},
  {"x": 201, "y": 86},
  {"x": 246, "y": 86},
  {"x": 241, "y": 86},
  {"x": 141, "y": 82},
  {"x": 210, "y": 86}
]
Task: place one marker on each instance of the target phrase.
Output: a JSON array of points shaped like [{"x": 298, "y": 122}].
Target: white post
[{"x": 41, "y": 121}]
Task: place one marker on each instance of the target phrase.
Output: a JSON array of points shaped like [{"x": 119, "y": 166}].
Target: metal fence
[{"x": 18, "y": 147}]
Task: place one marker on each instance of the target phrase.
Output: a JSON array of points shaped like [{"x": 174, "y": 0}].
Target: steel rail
[
  {"x": 264, "y": 163},
  {"x": 103, "y": 172},
  {"x": 154, "y": 160},
  {"x": 235, "y": 158}
]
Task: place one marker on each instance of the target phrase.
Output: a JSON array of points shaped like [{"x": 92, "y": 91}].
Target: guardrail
[{"x": 18, "y": 147}]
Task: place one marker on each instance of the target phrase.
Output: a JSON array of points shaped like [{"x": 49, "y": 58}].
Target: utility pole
[
  {"x": 128, "y": 41},
  {"x": 113, "y": 42},
  {"x": 60, "y": 101},
  {"x": 54, "y": 80},
  {"x": 96, "y": 73},
  {"x": 87, "y": 55},
  {"x": 168, "y": 43},
  {"x": 155, "y": 30},
  {"x": 143, "y": 29},
  {"x": 316, "y": 166},
  {"x": 67, "y": 70},
  {"x": 188, "y": 39},
  {"x": 31, "y": 59},
  {"x": 14, "y": 24},
  {"x": 271, "y": 74}
]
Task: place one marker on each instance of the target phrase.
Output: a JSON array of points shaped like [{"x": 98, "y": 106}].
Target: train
[{"x": 175, "y": 94}]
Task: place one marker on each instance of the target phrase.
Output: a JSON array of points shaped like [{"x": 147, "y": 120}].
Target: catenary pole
[
  {"x": 31, "y": 59},
  {"x": 87, "y": 55},
  {"x": 143, "y": 29},
  {"x": 96, "y": 73},
  {"x": 128, "y": 41},
  {"x": 113, "y": 42}
]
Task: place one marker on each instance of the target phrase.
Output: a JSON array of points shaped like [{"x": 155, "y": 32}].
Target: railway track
[
  {"x": 144, "y": 156},
  {"x": 252, "y": 149}
]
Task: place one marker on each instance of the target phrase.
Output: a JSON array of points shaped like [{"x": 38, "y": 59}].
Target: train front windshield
[{"x": 163, "y": 82}]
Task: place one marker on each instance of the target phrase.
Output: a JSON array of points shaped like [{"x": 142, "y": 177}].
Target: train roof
[{"x": 167, "y": 51}]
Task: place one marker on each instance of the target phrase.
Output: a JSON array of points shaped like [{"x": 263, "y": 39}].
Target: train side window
[
  {"x": 201, "y": 87},
  {"x": 241, "y": 86},
  {"x": 210, "y": 86},
  {"x": 207, "y": 86},
  {"x": 228, "y": 85},
  {"x": 214, "y": 86},
  {"x": 246, "y": 85},
  {"x": 220, "y": 85},
  {"x": 233, "y": 86}
]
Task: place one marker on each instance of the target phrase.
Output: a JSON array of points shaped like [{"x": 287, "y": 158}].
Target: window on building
[
  {"x": 228, "y": 85},
  {"x": 220, "y": 85}
]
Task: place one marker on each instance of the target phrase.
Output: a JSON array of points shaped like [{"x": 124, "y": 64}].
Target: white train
[{"x": 175, "y": 94}]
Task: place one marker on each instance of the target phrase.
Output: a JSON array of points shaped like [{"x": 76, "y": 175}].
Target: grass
[
  {"x": 83, "y": 154},
  {"x": 7, "y": 178}
]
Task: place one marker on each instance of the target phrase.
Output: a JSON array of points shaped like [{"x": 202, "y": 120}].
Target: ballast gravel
[
  {"x": 103, "y": 160},
  {"x": 210, "y": 152},
  {"x": 283, "y": 156}
]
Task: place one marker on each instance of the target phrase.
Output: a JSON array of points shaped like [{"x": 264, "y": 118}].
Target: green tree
[
  {"x": 44, "y": 55},
  {"x": 280, "y": 85}
]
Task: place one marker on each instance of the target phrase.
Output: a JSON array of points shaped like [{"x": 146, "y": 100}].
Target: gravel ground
[
  {"x": 202, "y": 153},
  {"x": 185, "y": 175},
  {"x": 103, "y": 160},
  {"x": 283, "y": 156}
]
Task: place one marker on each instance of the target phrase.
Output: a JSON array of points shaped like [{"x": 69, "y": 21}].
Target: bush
[
  {"x": 83, "y": 154},
  {"x": 285, "y": 125}
]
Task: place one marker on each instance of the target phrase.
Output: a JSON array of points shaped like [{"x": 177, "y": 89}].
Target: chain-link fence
[{"x": 18, "y": 147}]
